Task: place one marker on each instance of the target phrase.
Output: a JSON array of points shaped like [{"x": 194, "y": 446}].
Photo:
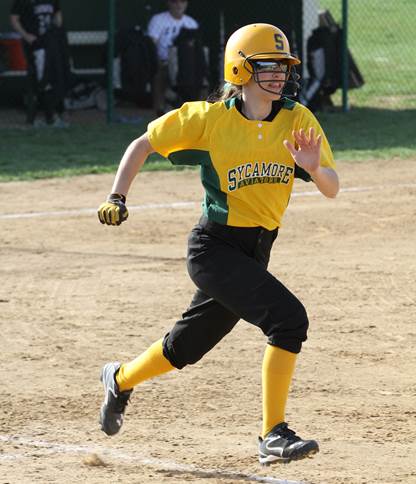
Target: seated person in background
[
  {"x": 33, "y": 20},
  {"x": 163, "y": 28}
]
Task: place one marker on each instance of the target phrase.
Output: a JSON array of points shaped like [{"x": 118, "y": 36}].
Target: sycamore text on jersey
[{"x": 258, "y": 172}]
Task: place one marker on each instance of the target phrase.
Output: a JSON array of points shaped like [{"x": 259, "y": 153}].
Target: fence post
[
  {"x": 110, "y": 57},
  {"x": 345, "y": 66}
]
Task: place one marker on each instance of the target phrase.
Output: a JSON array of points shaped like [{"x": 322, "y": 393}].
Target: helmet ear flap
[{"x": 236, "y": 73}]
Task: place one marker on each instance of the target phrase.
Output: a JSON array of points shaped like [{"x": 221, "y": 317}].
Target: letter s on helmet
[{"x": 254, "y": 42}]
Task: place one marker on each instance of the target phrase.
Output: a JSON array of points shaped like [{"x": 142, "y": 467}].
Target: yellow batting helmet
[{"x": 254, "y": 42}]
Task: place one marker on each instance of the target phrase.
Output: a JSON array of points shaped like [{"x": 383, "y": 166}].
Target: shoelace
[
  {"x": 287, "y": 433},
  {"x": 121, "y": 402}
]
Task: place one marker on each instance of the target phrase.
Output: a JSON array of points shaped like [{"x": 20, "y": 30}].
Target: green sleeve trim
[
  {"x": 189, "y": 157},
  {"x": 302, "y": 174},
  {"x": 230, "y": 103},
  {"x": 288, "y": 104}
]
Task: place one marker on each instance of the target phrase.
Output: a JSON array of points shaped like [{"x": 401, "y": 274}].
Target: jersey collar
[{"x": 276, "y": 107}]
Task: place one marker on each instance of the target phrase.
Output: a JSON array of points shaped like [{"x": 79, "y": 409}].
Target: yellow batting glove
[{"x": 114, "y": 210}]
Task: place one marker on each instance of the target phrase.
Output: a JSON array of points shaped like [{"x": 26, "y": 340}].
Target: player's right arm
[
  {"x": 114, "y": 211},
  {"x": 131, "y": 163},
  {"x": 174, "y": 133}
]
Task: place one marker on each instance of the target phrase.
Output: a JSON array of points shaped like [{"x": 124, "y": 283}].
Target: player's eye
[{"x": 270, "y": 66}]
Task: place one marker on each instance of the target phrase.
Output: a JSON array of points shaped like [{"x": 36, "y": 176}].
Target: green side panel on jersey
[{"x": 215, "y": 202}]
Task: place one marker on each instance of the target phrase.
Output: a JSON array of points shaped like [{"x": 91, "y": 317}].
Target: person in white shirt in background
[{"x": 163, "y": 28}]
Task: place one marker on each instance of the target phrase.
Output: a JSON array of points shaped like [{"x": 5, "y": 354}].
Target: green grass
[
  {"x": 371, "y": 133},
  {"x": 381, "y": 40},
  {"x": 27, "y": 154}
]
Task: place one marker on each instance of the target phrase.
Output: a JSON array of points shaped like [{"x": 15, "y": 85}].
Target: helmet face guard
[{"x": 278, "y": 70}]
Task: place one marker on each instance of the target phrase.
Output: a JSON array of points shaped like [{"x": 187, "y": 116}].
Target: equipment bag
[
  {"x": 188, "y": 65},
  {"x": 138, "y": 60}
]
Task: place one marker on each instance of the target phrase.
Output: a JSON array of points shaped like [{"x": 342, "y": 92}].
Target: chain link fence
[
  {"x": 114, "y": 62},
  {"x": 381, "y": 43}
]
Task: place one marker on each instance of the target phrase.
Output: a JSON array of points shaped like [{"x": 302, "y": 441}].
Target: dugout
[{"x": 87, "y": 24}]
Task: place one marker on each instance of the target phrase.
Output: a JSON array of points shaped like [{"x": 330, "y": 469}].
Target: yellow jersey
[{"x": 246, "y": 171}]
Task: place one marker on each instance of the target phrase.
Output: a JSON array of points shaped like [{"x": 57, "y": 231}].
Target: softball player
[{"x": 250, "y": 144}]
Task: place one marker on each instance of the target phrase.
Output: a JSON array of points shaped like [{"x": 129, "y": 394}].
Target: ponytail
[{"x": 227, "y": 91}]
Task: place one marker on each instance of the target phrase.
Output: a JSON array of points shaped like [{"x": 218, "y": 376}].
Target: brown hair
[{"x": 227, "y": 91}]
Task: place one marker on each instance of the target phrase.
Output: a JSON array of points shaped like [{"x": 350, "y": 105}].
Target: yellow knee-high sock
[
  {"x": 277, "y": 371},
  {"x": 149, "y": 364}
]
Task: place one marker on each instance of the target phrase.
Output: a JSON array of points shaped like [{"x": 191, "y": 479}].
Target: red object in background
[{"x": 16, "y": 60}]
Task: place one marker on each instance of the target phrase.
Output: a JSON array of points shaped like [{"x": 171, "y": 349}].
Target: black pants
[
  {"x": 40, "y": 91},
  {"x": 48, "y": 74},
  {"x": 229, "y": 267}
]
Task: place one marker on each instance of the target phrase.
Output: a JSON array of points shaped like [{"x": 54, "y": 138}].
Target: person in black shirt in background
[{"x": 34, "y": 20}]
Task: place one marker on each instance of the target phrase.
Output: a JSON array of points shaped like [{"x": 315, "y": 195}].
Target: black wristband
[{"x": 116, "y": 197}]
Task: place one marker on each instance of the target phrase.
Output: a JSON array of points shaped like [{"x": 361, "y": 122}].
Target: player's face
[
  {"x": 270, "y": 76},
  {"x": 177, "y": 7}
]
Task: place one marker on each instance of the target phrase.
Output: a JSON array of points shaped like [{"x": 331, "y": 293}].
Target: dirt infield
[{"x": 76, "y": 294}]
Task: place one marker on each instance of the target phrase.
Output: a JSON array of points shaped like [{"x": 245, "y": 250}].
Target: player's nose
[{"x": 279, "y": 76}]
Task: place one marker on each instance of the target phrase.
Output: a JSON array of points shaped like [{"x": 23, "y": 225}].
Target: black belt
[
  {"x": 252, "y": 240},
  {"x": 215, "y": 227}
]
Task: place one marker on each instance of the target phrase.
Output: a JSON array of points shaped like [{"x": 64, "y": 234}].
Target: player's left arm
[
  {"x": 307, "y": 155},
  {"x": 58, "y": 19}
]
